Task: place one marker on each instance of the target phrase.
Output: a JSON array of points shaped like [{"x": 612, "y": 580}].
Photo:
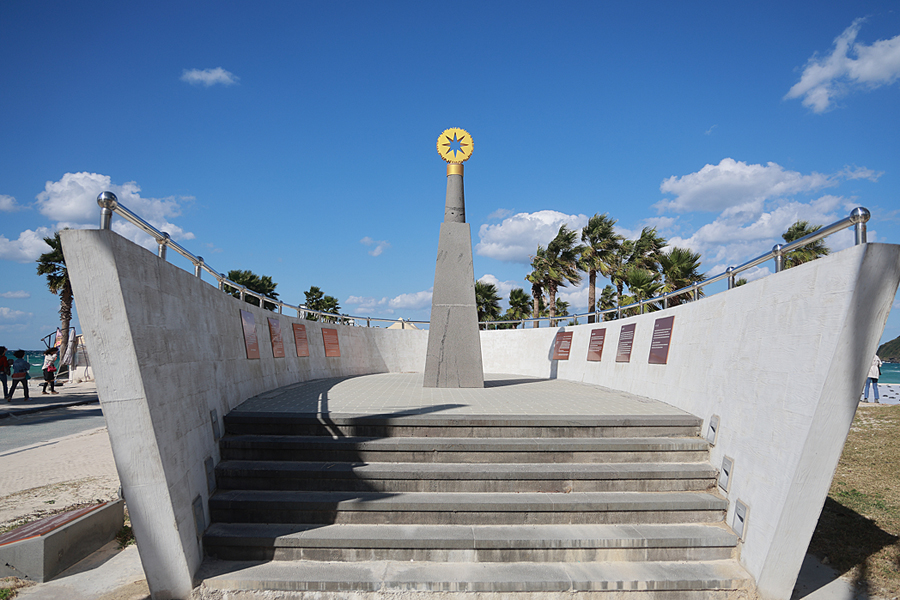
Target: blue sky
[{"x": 297, "y": 139}]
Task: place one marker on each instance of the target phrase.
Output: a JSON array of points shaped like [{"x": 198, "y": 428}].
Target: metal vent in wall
[{"x": 725, "y": 473}]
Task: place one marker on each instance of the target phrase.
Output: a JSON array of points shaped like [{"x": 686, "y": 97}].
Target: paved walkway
[
  {"x": 70, "y": 394},
  {"x": 502, "y": 395}
]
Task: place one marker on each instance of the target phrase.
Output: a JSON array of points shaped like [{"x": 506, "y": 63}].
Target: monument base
[{"x": 454, "y": 343}]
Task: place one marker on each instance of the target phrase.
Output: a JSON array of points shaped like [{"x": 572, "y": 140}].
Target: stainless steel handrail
[
  {"x": 857, "y": 218},
  {"x": 110, "y": 204}
]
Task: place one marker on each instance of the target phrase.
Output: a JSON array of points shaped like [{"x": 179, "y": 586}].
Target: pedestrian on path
[
  {"x": 4, "y": 370},
  {"x": 20, "y": 368},
  {"x": 874, "y": 374},
  {"x": 49, "y": 368}
]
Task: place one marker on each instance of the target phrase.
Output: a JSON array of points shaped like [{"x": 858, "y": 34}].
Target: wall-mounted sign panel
[
  {"x": 595, "y": 347},
  {"x": 562, "y": 345},
  {"x": 626, "y": 340},
  {"x": 250, "y": 340},
  {"x": 275, "y": 334},
  {"x": 659, "y": 345},
  {"x": 332, "y": 346},
  {"x": 300, "y": 340}
]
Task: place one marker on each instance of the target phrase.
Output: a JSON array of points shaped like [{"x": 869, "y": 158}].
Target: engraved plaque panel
[
  {"x": 332, "y": 346},
  {"x": 250, "y": 340},
  {"x": 595, "y": 347},
  {"x": 300, "y": 340},
  {"x": 626, "y": 340},
  {"x": 277, "y": 341},
  {"x": 659, "y": 345},
  {"x": 561, "y": 345}
]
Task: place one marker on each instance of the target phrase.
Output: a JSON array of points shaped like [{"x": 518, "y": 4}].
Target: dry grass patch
[{"x": 859, "y": 530}]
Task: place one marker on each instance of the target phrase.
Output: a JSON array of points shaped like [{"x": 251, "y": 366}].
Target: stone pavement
[
  {"x": 113, "y": 574},
  {"x": 70, "y": 394}
]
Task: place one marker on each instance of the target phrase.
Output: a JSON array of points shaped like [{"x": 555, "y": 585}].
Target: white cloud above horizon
[
  {"x": 380, "y": 246},
  {"x": 740, "y": 190},
  {"x": 209, "y": 77},
  {"x": 517, "y": 237},
  {"x": 9, "y": 204},
  {"x": 11, "y": 316},
  {"x": 18, "y": 294},
  {"x": 850, "y": 67}
]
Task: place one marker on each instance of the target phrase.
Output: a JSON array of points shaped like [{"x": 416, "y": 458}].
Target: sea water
[{"x": 890, "y": 373}]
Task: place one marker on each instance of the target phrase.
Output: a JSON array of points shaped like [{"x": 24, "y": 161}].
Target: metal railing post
[
  {"x": 108, "y": 203},
  {"x": 730, "y": 271},
  {"x": 859, "y": 216},
  {"x": 779, "y": 257},
  {"x": 198, "y": 267},
  {"x": 163, "y": 242}
]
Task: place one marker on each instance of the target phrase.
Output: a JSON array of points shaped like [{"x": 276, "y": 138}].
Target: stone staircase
[{"x": 477, "y": 507}]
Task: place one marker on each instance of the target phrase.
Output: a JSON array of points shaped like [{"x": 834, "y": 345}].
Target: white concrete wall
[
  {"x": 781, "y": 360},
  {"x": 167, "y": 349}
]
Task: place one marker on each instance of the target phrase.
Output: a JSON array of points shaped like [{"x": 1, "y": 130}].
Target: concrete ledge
[{"x": 43, "y": 549}]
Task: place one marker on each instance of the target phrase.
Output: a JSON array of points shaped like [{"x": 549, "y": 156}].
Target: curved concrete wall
[
  {"x": 781, "y": 361},
  {"x": 167, "y": 349}
]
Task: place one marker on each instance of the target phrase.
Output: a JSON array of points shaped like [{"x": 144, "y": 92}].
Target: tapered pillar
[{"x": 454, "y": 343}]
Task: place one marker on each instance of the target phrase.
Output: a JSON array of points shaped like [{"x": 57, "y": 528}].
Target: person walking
[
  {"x": 20, "y": 368},
  {"x": 4, "y": 370},
  {"x": 874, "y": 374},
  {"x": 49, "y": 369}
]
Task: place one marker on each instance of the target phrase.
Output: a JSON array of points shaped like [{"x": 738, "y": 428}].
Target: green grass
[{"x": 859, "y": 529}]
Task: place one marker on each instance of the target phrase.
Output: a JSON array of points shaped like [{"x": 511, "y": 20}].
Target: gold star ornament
[{"x": 455, "y": 145}]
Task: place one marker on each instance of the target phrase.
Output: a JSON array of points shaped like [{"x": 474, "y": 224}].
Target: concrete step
[
  {"x": 469, "y": 543},
  {"x": 291, "y": 580},
  {"x": 462, "y": 477},
  {"x": 465, "y": 426},
  {"x": 463, "y": 450},
  {"x": 252, "y": 506}
]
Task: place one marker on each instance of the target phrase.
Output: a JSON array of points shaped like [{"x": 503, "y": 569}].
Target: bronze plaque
[
  {"x": 562, "y": 345},
  {"x": 275, "y": 333},
  {"x": 595, "y": 347},
  {"x": 659, "y": 345},
  {"x": 332, "y": 346},
  {"x": 250, "y": 341},
  {"x": 300, "y": 340},
  {"x": 626, "y": 340}
]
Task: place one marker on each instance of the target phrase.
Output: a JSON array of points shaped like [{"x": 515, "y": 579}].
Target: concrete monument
[{"x": 453, "y": 359}]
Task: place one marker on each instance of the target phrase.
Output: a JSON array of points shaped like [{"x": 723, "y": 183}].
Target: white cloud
[
  {"x": 740, "y": 189},
  {"x": 503, "y": 287},
  {"x": 516, "y": 238},
  {"x": 10, "y": 316},
  {"x": 368, "y": 304},
  {"x": 208, "y": 77},
  {"x": 380, "y": 246},
  {"x": 9, "y": 204},
  {"x": 17, "y": 294},
  {"x": 500, "y": 213},
  {"x": 727, "y": 241},
  {"x": 28, "y": 247},
  {"x": 850, "y": 66},
  {"x": 412, "y": 301},
  {"x": 72, "y": 202}
]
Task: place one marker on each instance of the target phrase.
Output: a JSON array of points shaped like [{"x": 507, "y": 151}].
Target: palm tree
[
  {"x": 600, "y": 242},
  {"x": 519, "y": 305},
  {"x": 680, "y": 268},
  {"x": 487, "y": 301},
  {"x": 536, "y": 279},
  {"x": 643, "y": 285},
  {"x": 561, "y": 266},
  {"x": 53, "y": 265},
  {"x": 641, "y": 253},
  {"x": 805, "y": 253},
  {"x": 318, "y": 301},
  {"x": 608, "y": 301},
  {"x": 255, "y": 283}
]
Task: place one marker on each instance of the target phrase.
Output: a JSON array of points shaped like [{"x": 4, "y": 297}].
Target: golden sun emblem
[{"x": 455, "y": 145}]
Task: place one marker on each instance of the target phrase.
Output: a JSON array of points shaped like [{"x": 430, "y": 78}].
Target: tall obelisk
[{"x": 454, "y": 343}]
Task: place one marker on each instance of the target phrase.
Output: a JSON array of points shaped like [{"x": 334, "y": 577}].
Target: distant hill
[{"x": 890, "y": 351}]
